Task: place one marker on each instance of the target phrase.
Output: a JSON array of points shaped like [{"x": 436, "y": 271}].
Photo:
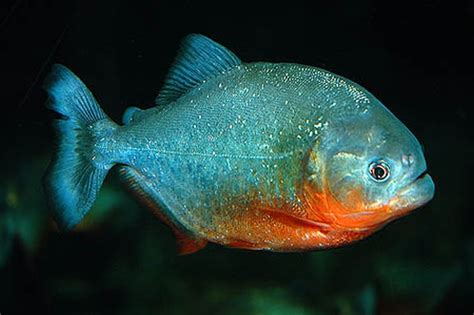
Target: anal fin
[
  {"x": 188, "y": 245},
  {"x": 146, "y": 196}
]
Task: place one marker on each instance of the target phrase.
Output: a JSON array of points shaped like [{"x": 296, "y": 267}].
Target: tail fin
[{"x": 74, "y": 175}]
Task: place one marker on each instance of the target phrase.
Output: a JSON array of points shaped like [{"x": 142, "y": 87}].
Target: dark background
[{"x": 416, "y": 57}]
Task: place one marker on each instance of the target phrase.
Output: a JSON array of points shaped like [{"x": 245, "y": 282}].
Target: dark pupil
[{"x": 379, "y": 172}]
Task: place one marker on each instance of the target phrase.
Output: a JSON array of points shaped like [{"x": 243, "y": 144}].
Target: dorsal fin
[{"x": 199, "y": 59}]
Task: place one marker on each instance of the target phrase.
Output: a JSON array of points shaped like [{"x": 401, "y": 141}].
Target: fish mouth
[{"x": 416, "y": 194}]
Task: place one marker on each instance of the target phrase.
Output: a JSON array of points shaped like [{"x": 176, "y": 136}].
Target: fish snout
[
  {"x": 408, "y": 160},
  {"x": 414, "y": 166}
]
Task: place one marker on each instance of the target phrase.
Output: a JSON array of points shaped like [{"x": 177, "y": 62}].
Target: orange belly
[{"x": 317, "y": 221}]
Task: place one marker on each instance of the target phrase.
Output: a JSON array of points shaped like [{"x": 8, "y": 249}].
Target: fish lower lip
[{"x": 416, "y": 194}]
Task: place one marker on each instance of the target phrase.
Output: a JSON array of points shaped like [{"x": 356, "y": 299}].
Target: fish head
[{"x": 366, "y": 171}]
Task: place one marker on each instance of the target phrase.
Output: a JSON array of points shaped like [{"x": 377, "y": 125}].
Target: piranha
[{"x": 263, "y": 156}]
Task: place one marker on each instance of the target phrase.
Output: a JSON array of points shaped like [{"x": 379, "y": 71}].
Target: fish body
[{"x": 259, "y": 155}]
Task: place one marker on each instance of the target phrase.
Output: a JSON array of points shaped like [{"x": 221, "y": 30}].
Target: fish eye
[{"x": 379, "y": 170}]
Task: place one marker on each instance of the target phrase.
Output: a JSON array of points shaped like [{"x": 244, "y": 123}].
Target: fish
[{"x": 260, "y": 156}]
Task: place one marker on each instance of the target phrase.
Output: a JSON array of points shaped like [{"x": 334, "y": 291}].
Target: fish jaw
[
  {"x": 358, "y": 216},
  {"x": 414, "y": 195},
  {"x": 343, "y": 218}
]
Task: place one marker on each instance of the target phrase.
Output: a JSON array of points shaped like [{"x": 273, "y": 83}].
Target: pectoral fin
[
  {"x": 295, "y": 221},
  {"x": 245, "y": 245}
]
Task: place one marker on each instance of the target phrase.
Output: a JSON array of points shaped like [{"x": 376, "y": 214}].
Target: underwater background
[{"x": 416, "y": 57}]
